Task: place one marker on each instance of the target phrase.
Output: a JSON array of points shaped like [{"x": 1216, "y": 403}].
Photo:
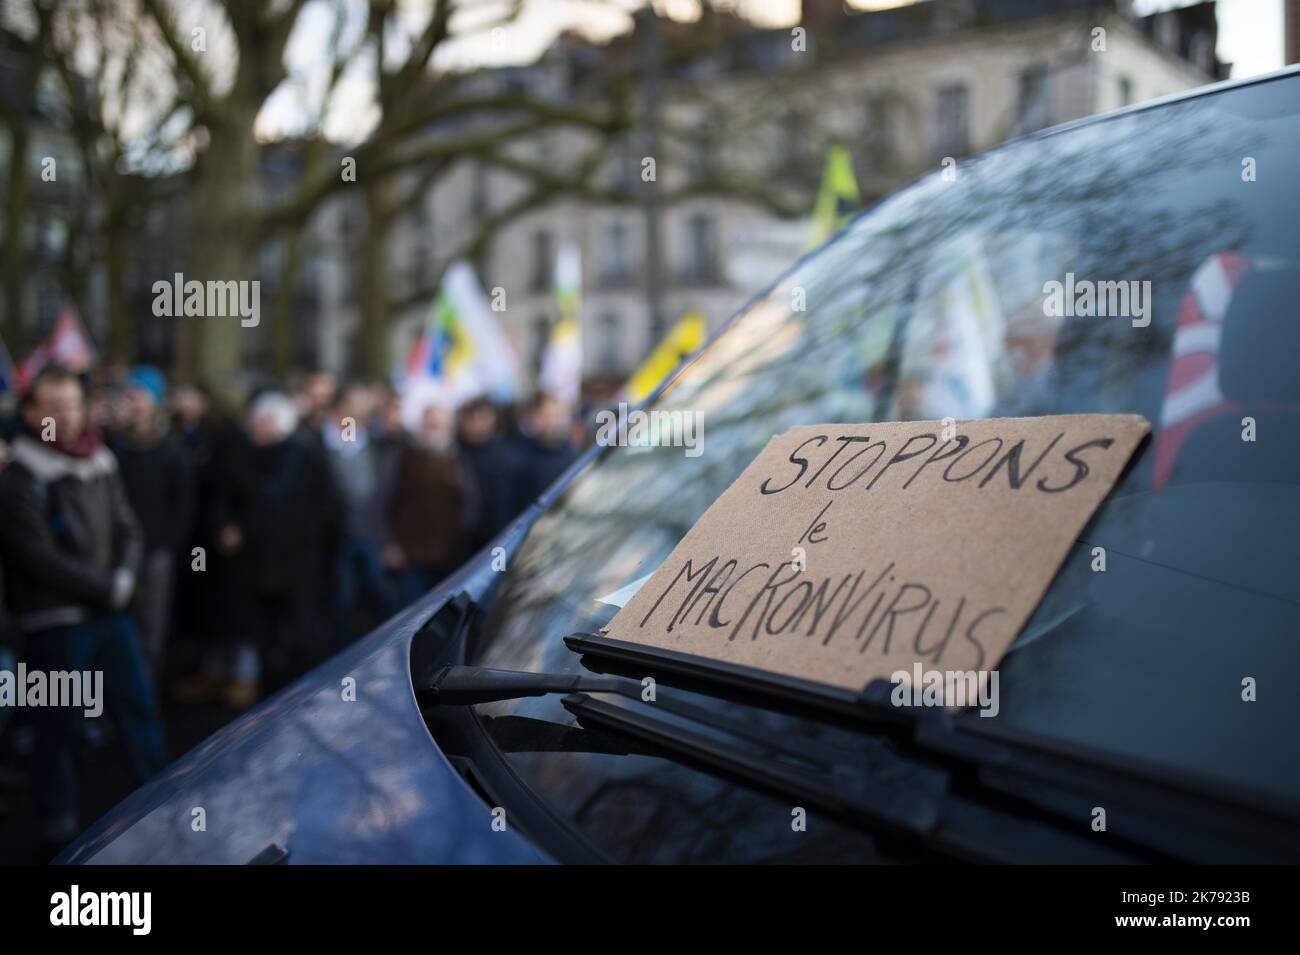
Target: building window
[
  {"x": 609, "y": 346},
  {"x": 478, "y": 195},
  {"x": 48, "y": 301},
  {"x": 348, "y": 218},
  {"x": 1167, "y": 31},
  {"x": 422, "y": 247},
  {"x": 793, "y": 153},
  {"x": 617, "y": 261},
  {"x": 543, "y": 261},
  {"x": 316, "y": 273},
  {"x": 703, "y": 145},
  {"x": 1033, "y": 109},
  {"x": 701, "y": 263},
  {"x": 623, "y": 168},
  {"x": 54, "y": 237},
  {"x": 541, "y": 335},
  {"x": 877, "y": 133},
  {"x": 1200, "y": 50},
  {"x": 1125, "y": 91},
  {"x": 545, "y": 151},
  {"x": 953, "y": 121}
]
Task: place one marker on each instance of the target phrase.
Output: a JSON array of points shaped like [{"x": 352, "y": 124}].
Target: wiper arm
[
  {"x": 470, "y": 685},
  {"x": 467, "y": 685}
]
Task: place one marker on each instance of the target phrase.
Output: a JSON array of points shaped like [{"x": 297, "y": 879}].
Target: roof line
[{"x": 1193, "y": 93}]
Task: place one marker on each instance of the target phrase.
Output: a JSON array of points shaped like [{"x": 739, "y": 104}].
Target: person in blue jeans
[
  {"x": 109, "y": 644},
  {"x": 71, "y": 550}
]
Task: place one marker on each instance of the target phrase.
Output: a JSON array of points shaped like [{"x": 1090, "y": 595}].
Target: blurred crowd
[{"x": 200, "y": 554}]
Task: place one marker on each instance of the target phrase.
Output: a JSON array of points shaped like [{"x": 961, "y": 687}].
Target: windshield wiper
[
  {"x": 1164, "y": 817},
  {"x": 869, "y": 786},
  {"x": 1176, "y": 815},
  {"x": 881, "y": 792}
]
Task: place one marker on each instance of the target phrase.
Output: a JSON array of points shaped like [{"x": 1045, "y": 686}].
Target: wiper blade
[
  {"x": 1184, "y": 817},
  {"x": 1148, "y": 814},
  {"x": 1174, "y": 814},
  {"x": 887, "y": 795},
  {"x": 870, "y": 787}
]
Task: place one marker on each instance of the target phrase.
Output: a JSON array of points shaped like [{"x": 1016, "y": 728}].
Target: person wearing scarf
[{"x": 71, "y": 550}]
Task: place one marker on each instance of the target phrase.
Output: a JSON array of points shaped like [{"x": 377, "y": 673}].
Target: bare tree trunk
[
  {"x": 225, "y": 189},
  {"x": 121, "y": 337},
  {"x": 15, "y": 251},
  {"x": 14, "y": 270},
  {"x": 282, "y": 331},
  {"x": 372, "y": 341}
]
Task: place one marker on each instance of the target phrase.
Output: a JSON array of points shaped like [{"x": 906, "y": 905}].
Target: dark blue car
[{"x": 1158, "y": 690}]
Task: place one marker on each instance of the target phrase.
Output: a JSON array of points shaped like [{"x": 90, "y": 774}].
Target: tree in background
[{"x": 159, "y": 91}]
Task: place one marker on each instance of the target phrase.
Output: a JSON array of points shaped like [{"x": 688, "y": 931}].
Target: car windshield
[{"x": 936, "y": 304}]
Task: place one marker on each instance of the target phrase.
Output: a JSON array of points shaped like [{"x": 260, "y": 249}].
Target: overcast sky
[
  {"x": 1250, "y": 31},
  {"x": 1250, "y": 37}
]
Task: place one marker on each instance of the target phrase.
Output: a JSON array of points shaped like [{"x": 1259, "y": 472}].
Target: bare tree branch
[{"x": 203, "y": 97}]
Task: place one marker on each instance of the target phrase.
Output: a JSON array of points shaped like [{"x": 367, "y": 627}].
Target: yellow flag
[
  {"x": 837, "y": 199},
  {"x": 682, "y": 339}
]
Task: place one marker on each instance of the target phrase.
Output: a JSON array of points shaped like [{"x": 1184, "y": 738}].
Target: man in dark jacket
[
  {"x": 491, "y": 463},
  {"x": 544, "y": 449},
  {"x": 156, "y": 474},
  {"x": 278, "y": 518},
  {"x": 71, "y": 549}
]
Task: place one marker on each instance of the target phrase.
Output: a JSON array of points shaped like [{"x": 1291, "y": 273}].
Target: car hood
[{"x": 327, "y": 779}]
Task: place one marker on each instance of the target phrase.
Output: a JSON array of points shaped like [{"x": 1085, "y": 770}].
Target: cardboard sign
[{"x": 849, "y": 552}]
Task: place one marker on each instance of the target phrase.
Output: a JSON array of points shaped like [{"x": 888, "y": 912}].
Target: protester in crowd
[
  {"x": 278, "y": 522},
  {"x": 71, "y": 551},
  {"x": 190, "y": 407},
  {"x": 10, "y": 420},
  {"x": 158, "y": 483},
  {"x": 545, "y": 447},
  {"x": 359, "y": 465},
  {"x": 106, "y": 406},
  {"x": 195, "y": 612},
  {"x": 11, "y": 777},
  {"x": 207, "y": 614},
  {"x": 387, "y": 422},
  {"x": 314, "y": 396},
  {"x": 492, "y": 465},
  {"x": 431, "y": 506},
  {"x": 387, "y": 435}
]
